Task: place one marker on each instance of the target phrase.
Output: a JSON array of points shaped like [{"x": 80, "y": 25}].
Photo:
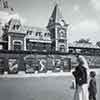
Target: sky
[{"x": 83, "y": 16}]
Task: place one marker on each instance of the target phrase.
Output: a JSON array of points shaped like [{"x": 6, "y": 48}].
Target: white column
[
  {"x": 67, "y": 42},
  {"x": 9, "y": 42},
  {"x": 56, "y": 37},
  {"x": 25, "y": 44}
]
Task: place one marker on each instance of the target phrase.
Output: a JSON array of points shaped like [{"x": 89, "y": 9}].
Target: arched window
[
  {"x": 45, "y": 34},
  {"x": 62, "y": 48},
  {"x": 16, "y": 27},
  {"x": 17, "y": 45}
]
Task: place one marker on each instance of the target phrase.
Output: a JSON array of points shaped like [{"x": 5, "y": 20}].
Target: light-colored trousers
[{"x": 81, "y": 93}]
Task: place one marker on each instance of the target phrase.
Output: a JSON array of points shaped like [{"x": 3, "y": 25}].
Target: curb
[{"x": 36, "y": 75}]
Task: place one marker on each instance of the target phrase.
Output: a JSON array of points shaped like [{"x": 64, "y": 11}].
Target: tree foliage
[
  {"x": 98, "y": 43},
  {"x": 84, "y": 41}
]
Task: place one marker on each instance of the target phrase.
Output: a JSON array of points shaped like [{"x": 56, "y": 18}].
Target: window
[
  {"x": 17, "y": 45},
  {"x": 62, "y": 48},
  {"x": 62, "y": 33},
  {"x": 49, "y": 34},
  {"x": 38, "y": 33},
  {"x": 62, "y": 40},
  {"x": 29, "y": 32},
  {"x": 15, "y": 27},
  {"x": 46, "y": 34}
]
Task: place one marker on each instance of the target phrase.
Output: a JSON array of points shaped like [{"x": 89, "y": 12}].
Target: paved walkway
[{"x": 23, "y": 75}]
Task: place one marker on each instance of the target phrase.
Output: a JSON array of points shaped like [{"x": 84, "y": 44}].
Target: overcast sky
[{"x": 83, "y": 16}]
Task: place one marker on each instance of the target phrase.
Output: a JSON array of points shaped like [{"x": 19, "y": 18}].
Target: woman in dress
[{"x": 81, "y": 79}]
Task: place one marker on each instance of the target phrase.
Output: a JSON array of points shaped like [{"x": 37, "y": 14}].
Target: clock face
[{"x": 62, "y": 22}]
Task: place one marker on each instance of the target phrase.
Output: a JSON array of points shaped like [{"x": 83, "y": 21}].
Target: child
[{"x": 92, "y": 86}]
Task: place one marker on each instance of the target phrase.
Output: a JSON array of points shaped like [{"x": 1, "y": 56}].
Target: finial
[{"x": 56, "y": 2}]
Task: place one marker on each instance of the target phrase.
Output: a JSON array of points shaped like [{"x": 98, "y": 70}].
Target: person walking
[{"x": 81, "y": 79}]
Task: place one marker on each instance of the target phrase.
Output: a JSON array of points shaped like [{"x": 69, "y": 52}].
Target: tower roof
[{"x": 56, "y": 17}]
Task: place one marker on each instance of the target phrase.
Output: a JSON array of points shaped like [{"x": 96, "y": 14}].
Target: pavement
[
  {"x": 36, "y": 74},
  {"x": 39, "y": 86},
  {"x": 22, "y": 74}
]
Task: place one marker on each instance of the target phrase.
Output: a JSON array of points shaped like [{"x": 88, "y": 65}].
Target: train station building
[
  {"x": 29, "y": 38},
  {"x": 29, "y": 48}
]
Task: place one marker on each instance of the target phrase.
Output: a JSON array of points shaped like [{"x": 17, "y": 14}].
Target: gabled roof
[{"x": 16, "y": 26}]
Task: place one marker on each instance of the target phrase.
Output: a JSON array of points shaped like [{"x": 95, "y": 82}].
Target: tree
[
  {"x": 84, "y": 43},
  {"x": 87, "y": 41},
  {"x": 98, "y": 43}
]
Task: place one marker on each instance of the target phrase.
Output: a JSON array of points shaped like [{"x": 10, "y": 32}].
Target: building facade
[{"x": 27, "y": 38}]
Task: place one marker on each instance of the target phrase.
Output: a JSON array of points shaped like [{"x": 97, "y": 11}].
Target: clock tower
[{"x": 58, "y": 29}]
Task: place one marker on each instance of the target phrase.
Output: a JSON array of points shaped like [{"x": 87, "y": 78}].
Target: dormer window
[
  {"x": 29, "y": 32},
  {"x": 46, "y": 34},
  {"x": 38, "y": 33},
  {"x": 15, "y": 27}
]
